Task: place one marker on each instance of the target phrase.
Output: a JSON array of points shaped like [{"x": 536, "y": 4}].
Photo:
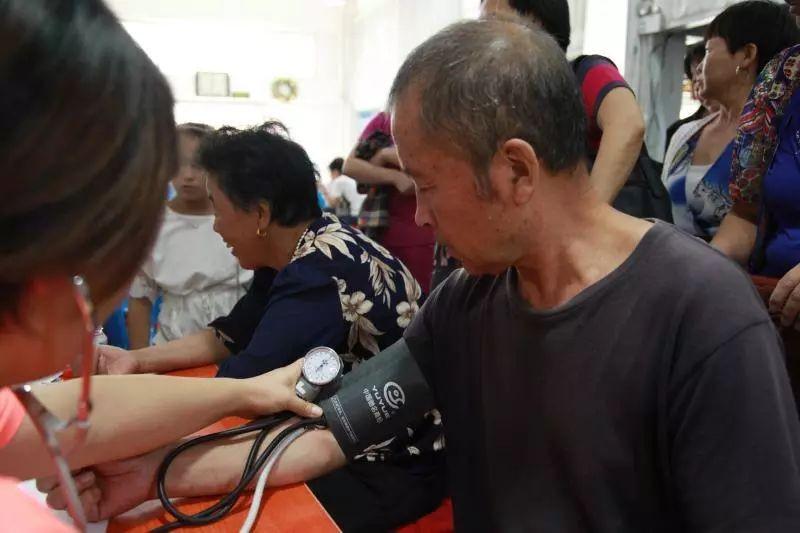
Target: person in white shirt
[
  {"x": 342, "y": 195},
  {"x": 189, "y": 266}
]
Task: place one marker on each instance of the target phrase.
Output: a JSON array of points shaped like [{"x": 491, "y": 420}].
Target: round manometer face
[{"x": 321, "y": 366}]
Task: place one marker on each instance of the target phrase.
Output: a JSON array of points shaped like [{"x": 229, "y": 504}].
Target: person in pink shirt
[
  {"x": 25, "y": 512},
  {"x": 86, "y": 150},
  {"x": 410, "y": 243}
]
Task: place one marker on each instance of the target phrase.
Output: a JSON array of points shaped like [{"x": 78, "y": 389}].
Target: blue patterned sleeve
[{"x": 757, "y": 134}]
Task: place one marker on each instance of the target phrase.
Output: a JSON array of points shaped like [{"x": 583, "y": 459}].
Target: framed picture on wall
[{"x": 212, "y": 84}]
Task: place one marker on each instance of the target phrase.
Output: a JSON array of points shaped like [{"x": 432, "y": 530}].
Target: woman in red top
[
  {"x": 412, "y": 244},
  {"x": 616, "y": 125}
]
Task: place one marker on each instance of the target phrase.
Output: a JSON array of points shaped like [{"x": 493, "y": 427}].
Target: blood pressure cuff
[{"x": 377, "y": 400}]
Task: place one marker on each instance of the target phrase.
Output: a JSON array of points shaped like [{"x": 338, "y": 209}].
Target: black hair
[
  {"x": 87, "y": 146},
  {"x": 552, "y": 14},
  {"x": 694, "y": 54},
  {"x": 337, "y": 165},
  {"x": 263, "y": 164},
  {"x": 768, "y": 25}
]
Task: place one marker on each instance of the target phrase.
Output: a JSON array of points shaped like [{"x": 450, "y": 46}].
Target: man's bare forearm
[{"x": 216, "y": 468}]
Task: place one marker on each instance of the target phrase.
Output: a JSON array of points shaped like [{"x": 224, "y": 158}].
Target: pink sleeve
[
  {"x": 11, "y": 416},
  {"x": 380, "y": 122},
  {"x": 23, "y": 513}
]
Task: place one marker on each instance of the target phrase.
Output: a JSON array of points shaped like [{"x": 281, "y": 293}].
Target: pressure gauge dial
[{"x": 321, "y": 366}]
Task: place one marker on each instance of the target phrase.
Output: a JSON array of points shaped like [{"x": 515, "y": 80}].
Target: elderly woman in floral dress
[{"x": 317, "y": 283}]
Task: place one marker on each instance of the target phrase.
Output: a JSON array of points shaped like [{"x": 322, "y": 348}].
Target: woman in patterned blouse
[
  {"x": 317, "y": 283},
  {"x": 763, "y": 229}
]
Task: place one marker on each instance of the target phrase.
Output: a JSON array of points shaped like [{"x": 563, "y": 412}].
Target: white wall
[
  {"x": 605, "y": 29},
  {"x": 343, "y": 53},
  {"x": 254, "y": 41},
  {"x": 378, "y": 36}
]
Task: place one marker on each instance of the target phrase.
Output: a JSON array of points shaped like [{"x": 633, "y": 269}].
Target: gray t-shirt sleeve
[
  {"x": 734, "y": 438},
  {"x": 419, "y": 334}
]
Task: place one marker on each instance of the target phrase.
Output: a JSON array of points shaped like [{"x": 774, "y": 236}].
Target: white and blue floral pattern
[{"x": 340, "y": 289}]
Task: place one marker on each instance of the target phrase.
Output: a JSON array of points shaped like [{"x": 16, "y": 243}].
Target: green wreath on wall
[{"x": 284, "y": 89}]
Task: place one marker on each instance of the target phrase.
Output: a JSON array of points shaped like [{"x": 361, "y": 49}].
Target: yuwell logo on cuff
[{"x": 384, "y": 403}]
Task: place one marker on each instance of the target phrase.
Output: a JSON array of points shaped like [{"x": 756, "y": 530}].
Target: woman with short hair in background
[
  {"x": 691, "y": 63},
  {"x": 739, "y": 43}
]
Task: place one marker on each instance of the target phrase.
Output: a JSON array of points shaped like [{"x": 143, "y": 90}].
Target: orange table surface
[{"x": 291, "y": 508}]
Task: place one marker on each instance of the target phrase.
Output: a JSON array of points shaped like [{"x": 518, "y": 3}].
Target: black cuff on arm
[{"x": 379, "y": 399}]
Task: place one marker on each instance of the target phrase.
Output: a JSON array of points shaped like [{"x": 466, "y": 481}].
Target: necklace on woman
[{"x": 299, "y": 244}]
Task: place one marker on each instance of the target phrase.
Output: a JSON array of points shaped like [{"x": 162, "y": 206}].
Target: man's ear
[{"x": 525, "y": 169}]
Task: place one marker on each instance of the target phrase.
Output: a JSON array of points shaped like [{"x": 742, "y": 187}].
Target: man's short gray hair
[{"x": 483, "y": 82}]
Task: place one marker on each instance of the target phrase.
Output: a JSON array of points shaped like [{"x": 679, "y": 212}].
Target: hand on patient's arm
[
  {"x": 109, "y": 489},
  {"x": 210, "y": 469}
]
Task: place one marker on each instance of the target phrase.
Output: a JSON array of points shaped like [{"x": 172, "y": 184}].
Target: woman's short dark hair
[
  {"x": 768, "y": 25},
  {"x": 694, "y": 55},
  {"x": 87, "y": 146},
  {"x": 552, "y": 14},
  {"x": 263, "y": 164},
  {"x": 336, "y": 165}
]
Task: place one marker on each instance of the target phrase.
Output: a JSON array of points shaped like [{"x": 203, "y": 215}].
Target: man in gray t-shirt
[
  {"x": 655, "y": 400},
  {"x": 594, "y": 372}
]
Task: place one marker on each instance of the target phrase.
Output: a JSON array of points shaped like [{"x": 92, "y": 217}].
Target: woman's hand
[
  {"x": 785, "y": 299},
  {"x": 404, "y": 184},
  {"x": 274, "y": 392},
  {"x": 113, "y": 360}
]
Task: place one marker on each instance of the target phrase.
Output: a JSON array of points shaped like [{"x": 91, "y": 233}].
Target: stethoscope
[
  {"x": 54, "y": 431},
  {"x": 321, "y": 372}
]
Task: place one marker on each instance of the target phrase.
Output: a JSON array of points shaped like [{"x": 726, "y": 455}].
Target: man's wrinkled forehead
[{"x": 404, "y": 114}]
